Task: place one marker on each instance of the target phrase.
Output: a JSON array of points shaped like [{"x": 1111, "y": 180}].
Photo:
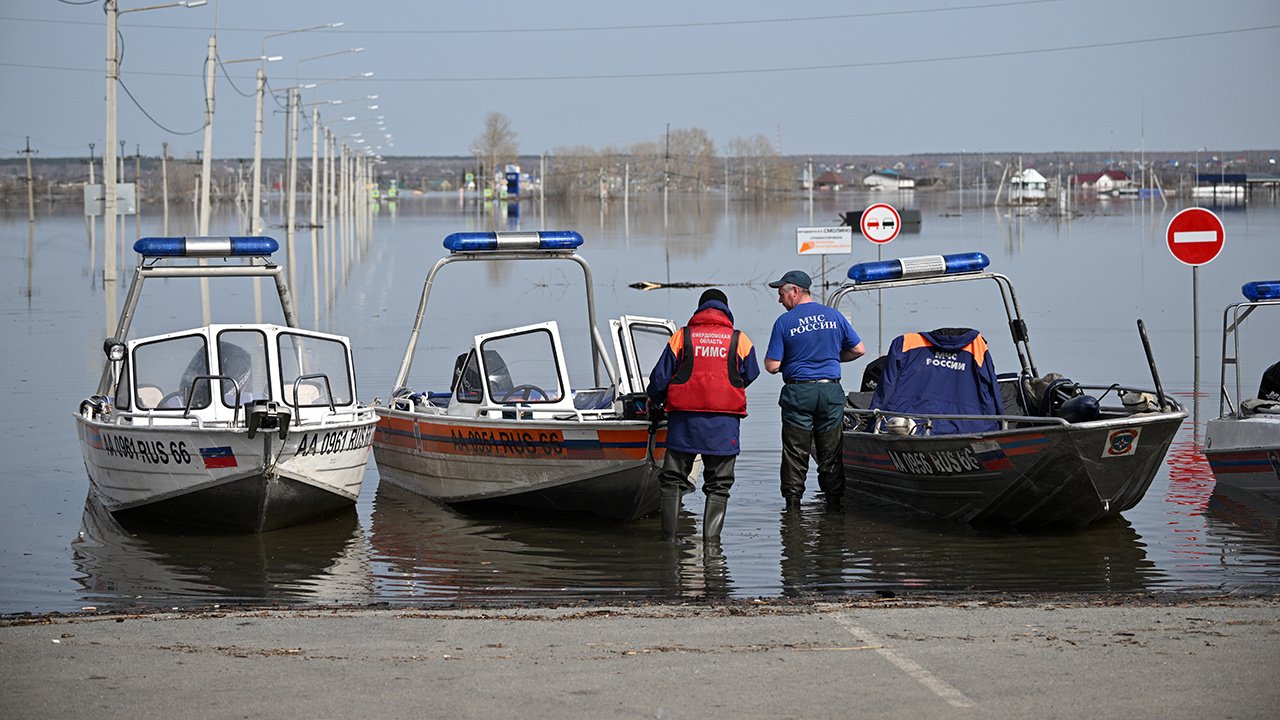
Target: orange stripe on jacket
[{"x": 977, "y": 347}]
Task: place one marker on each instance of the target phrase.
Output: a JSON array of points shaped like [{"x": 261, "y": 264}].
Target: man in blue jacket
[
  {"x": 807, "y": 345},
  {"x": 702, "y": 377},
  {"x": 947, "y": 371}
]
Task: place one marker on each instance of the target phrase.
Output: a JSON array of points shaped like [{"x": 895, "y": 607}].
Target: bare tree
[
  {"x": 760, "y": 170},
  {"x": 496, "y": 145}
]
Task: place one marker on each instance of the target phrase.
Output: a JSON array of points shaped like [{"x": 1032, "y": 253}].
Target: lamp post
[
  {"x": 113, "y": 12},
  {"x": 295, "y": 107},
  {"x": 256, "y": 221}
]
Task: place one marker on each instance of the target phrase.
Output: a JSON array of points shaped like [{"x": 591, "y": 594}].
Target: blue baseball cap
[{"x": 799, "y": 278}]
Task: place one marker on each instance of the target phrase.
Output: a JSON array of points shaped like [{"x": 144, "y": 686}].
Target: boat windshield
[
  {"x": 165, "y": 372},
  {"x": 315, "y": 360},
  {"x": 242, "y": 356},
  {"x": 522, "y": 368}
]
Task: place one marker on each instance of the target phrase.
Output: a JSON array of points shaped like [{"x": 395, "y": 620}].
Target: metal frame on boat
[
  {"x": 1033, "y": 471},
  {"x": 1242, "y": 444},
  {"x": 510, "y": 429},
  {"x": 239, "y": 426}
]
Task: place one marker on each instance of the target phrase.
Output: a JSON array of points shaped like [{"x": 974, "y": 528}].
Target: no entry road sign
[
  {"x": 880, "y": 223},
  {"x": 1195, "y": 236}
]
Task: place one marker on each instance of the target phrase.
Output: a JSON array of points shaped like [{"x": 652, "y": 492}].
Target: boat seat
[
  {"x": 308, "y": 394},
  {"x": 1258, "y": 406},
  {"x": 1012, "y": 399},
  {"x": 149, "y": 396},
  {"x": 593, "y": 398},
  {"x": 858, "y": 400}
]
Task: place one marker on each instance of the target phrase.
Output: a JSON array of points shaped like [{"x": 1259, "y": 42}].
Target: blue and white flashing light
[
  {"x": 923, "y": 266},
  {"x": 1262, "y": 290},
  {"x": 205, "y": 246},
  {"x": 469, "y": 242}
]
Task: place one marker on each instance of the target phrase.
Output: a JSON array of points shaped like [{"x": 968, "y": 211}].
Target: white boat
[
  {"x": 242, "y": 426},
  {"x": 510, "y": 429},
  {"x": 1242, "y": 444}
]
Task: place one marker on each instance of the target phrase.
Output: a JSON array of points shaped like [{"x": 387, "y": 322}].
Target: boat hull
[
  {"x": 220, "y": 477},
  {"x": 1245, "y": 452},
  {"x": 1065, "y": 476},
  {"x": 600, "y": 468}
]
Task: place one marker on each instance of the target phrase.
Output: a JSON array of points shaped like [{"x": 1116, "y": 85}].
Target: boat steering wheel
[{"x": 526, "y": 392}]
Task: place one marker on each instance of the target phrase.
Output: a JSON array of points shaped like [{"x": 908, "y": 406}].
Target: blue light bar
[
  {"x": 205, "y": 246},
  {"x": 495, "y": 241},
  {"x": 918, "y": 267},
  {"x": 1262, "y": 290}
]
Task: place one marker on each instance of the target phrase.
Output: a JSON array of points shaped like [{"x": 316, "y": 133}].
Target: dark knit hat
[{"x": 713, "y": 294}]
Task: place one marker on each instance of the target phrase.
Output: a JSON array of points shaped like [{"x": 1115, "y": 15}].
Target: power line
[
  {"x": 595, "y": 28},
  {"x": 747, "y": 71},
  {"x": 148, "y": 115}
]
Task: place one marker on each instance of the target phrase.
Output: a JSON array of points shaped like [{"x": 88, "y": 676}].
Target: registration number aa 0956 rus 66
[{"x": 951, "y": 461}]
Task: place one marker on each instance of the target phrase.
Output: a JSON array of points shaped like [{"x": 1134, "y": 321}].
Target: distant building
[
  {"x": 888, "y": 180},
  {"x": 1103, "y": 183},
  {"x": 830, "y": 181},
  {"x": 1028, "y": 186}
]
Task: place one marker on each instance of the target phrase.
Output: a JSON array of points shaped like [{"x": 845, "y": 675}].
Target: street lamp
[
  {"x": 294, "y": 108},
  {"x": 256, "y": 222},
  {"x": 113, "y": 12}
]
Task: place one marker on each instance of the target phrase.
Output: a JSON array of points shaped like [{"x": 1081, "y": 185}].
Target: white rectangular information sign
[{"x": 824, "y": 240}]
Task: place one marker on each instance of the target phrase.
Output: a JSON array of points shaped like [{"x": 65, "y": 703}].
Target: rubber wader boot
[
  {"x": 670, "y": 508},
  {"x": 713, "y": 517}
]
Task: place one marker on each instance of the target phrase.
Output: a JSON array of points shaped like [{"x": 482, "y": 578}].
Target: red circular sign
[
  {"x": 880, "y": 223},
  {"x": 1195, "y": 236}
]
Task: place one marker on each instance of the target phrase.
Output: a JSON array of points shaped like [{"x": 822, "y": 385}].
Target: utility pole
[
  {"x": 137, "y": 185},
  {"x": 112, "y": 10},
  {"x": 206, "y": 166},
  {"x": 256, "y": 223},
  {"x": 164, "y": 183},
  {"x": 31, "y": 184}
]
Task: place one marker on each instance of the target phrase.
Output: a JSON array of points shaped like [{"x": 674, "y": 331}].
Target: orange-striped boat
[{"x": 510, "y": 429}]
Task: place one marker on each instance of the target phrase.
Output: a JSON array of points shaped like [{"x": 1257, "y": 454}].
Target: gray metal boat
[{"x": 1039, "y": 467}]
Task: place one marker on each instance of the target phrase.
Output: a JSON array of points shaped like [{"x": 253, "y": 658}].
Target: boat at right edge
[
  {"x": 1057, "y": 456},
  {"x": 1242, "y": 444}
]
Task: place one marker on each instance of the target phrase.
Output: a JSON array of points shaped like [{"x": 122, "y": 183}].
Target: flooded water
[{"x": 1082, "y": 284}]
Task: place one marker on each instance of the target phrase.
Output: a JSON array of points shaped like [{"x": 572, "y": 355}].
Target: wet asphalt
[{"x": 994, "y": 658}]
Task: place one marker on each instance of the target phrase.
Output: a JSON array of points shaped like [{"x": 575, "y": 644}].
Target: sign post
[
  {"x": 824, "y": 241},
  {"x": 880, "y": 224},
  {"x": 1195, "y": 237}
]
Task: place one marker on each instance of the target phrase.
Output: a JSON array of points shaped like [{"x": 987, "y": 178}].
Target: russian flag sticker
[{"x": 218, "y": 457}]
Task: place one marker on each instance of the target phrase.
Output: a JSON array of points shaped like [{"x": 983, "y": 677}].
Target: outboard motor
[
  {"x": 871, "y": 374},
  {"x": 1270, "y": 387}
]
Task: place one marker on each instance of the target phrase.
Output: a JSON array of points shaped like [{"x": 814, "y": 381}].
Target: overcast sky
[{"x": 819, "y": 77}]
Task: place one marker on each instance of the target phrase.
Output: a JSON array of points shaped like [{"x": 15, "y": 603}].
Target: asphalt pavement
[{"x": 886, "y": 658}]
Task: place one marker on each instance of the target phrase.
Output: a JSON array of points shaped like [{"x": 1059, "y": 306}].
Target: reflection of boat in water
[
  {"x": 425, "y": 552},
  {"x": 149, "y": 564},
  {"x": 1036, "y": 458},
  {"x": 510, "y": 429},
  {"x": 1243, "y": 442},
  {"x": 883, "y": 547},
  {"x": 247, "y": 426}
]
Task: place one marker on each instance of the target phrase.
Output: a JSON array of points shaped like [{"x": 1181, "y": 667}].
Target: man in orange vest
[{"x": 702, "y": 377}]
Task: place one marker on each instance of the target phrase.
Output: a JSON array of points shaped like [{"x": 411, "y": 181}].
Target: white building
[
  {"x": 1028, "y": 186},
  {"x": 888, "y": 180}
]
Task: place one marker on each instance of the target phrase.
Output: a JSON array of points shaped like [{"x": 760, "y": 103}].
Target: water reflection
[
  {"x": 1243, "y": 533},
  {"x": 422, "y": 551},
  {"x": 148, "y": 564},
  {"x": 881, "y": 548}
]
